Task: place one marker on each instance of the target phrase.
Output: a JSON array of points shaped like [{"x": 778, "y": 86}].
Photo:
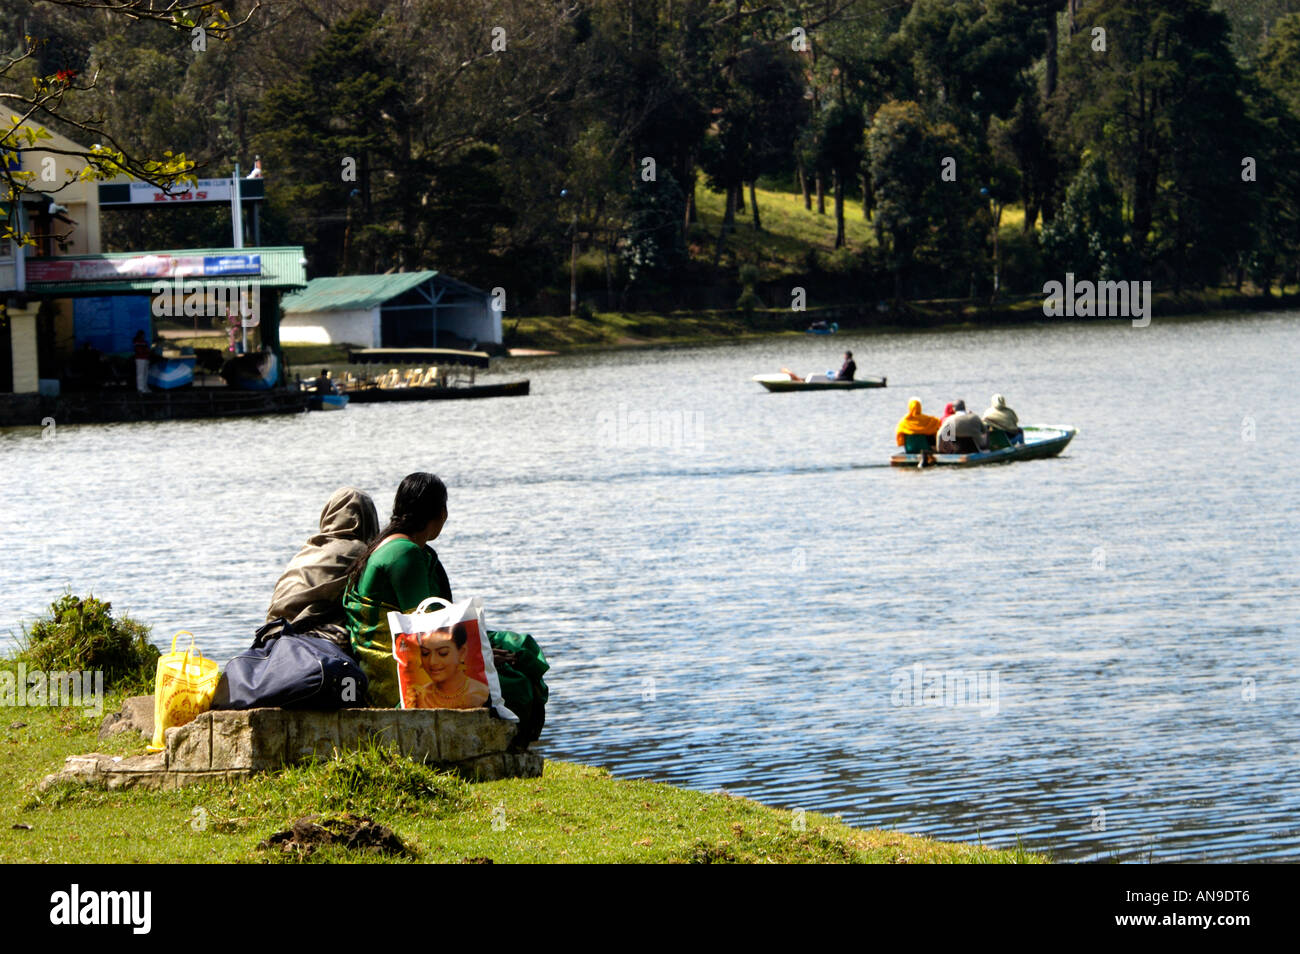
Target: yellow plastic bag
[{"x": 185, "y": 686}]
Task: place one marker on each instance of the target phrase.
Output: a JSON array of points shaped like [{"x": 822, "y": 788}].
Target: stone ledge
[{"x": 236, "y": 744}]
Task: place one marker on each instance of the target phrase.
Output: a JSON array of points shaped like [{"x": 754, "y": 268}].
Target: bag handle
[
  {"x": 185, "y": 632},
  {"x": 267, "y": 631},
  {"x": 424, "y": 604},
  {"x": 179, "y": 634}
]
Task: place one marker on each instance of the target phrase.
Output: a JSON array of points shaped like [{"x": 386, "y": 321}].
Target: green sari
[{"x": 398, "y": 577}]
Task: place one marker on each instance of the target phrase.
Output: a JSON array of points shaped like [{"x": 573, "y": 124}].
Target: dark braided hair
[{"x": 421, "y": 498}]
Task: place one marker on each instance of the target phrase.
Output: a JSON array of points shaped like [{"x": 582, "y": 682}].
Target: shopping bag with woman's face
[{"x": 444, "y": 659}]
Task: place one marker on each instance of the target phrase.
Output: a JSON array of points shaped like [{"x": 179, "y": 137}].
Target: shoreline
[
  {"x": 613, "y": 331},
  {"x": 573, "y": 813}
]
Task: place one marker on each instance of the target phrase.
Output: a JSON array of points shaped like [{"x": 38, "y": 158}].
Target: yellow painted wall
[
  {"x": 80, "y": 198},
  {"x": 22, "y": 332}
]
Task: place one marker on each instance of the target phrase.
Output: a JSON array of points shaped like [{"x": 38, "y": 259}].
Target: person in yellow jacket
[{"x": 914, "y": 422}]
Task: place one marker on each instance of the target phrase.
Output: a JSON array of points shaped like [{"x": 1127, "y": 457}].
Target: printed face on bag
[
  {"x": 442, "y": 668},
  {"x": 440, "y": 656}
]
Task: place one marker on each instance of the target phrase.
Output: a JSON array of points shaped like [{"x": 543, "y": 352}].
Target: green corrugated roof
[
  {"x": 282, "y": 267},
  {"x": 353, "y": 292}
]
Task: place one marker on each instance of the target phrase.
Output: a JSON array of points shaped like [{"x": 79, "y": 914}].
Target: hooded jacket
[
  {"x": 311, "y": 589},
  {"x": 914, "y": 422},
  {"x": 1001, "y": 416}
]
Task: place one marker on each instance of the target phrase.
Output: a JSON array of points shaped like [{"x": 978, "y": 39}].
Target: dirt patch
[{"x": 353, "y": 832}]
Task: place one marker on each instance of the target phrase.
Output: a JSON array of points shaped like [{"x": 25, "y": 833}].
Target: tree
[
  {"x": 1162, "y": 105},
  {"x": 1087, "y": 235},
  {"x": 841, "y": 151},
  {"x": 342, "y": 133},
  {"x": 759, "y": 112},
  {"x": 653, "y": 245},
  {"x": 921, "y": 212},
  {"x": 1275, "y": 99},
  {"x": 36, "y": 94}
]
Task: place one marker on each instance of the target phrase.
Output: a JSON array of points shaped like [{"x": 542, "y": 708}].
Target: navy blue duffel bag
[{"x": 288, "y": 670}]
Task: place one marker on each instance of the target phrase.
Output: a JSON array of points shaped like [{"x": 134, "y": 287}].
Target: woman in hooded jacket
[
  {"x": 309, "y": 594},
  {"x": 915, "y": 422},
  {"x": 1002, "y": 418}
]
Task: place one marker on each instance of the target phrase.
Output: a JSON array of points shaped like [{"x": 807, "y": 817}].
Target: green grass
[
  {"x": 617, "y": 329},
  {"x": 790, "y": 232},
  {"x": 574, "y": 813}
]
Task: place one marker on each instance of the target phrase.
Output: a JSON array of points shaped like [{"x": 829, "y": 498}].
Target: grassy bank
[
  {"x": 574, "y": 813},
  {"x": 795, "y": 245},
  {"x": 614, "y": 330}
]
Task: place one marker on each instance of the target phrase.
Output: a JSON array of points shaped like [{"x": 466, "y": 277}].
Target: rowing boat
[
  {"x": 781, "y": 383},
  {"x": 327, "y": 402},
  {"x": 1040, "y": 442}
]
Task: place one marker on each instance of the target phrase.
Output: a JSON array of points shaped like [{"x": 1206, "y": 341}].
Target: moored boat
[
  {"x": 781, "y": 383},
  {"x": 257, "y": 371},
  {"x": 327, "y": 402},
  {"x": 169, "y": 373},
  {"x": 372, "y": 395},
  {"x": 443, "y": 374},
  {"x": 1040, "y": 442}
]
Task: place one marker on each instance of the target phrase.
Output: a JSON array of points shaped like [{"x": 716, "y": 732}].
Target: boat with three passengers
[{"x": 1042, "y": 441}]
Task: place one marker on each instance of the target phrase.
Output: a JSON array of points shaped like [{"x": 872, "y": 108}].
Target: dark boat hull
[
  {"x": 252, "y": 372},
  {"x": 385, "y": 395},
  {"x": 780, "y": 385},
  {"x": 326, "y": 402}
]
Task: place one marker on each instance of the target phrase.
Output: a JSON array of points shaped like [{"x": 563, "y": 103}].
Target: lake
[{"x": 1095, "y": 655}]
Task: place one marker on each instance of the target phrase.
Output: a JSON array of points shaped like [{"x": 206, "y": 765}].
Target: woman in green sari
[{"x": 397, "y": 573}]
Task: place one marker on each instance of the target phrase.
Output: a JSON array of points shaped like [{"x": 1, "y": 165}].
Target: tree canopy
[{"x": 500, "y": 138}]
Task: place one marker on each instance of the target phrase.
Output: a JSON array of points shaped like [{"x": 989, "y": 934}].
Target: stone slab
[
  {"x": 468, "y": 733},
  {"x": 189, "y": 746},
  {"x": 253, "y": 740},
  {"x": 111, "y": 771},
  {"x": 236, "y": 744}
]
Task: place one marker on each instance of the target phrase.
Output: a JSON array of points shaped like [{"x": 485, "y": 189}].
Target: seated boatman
[
  {"x": 847, "y": 369},
  {"x": 962, "y": 433}
]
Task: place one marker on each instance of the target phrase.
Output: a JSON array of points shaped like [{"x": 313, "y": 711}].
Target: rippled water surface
[{"x": 735, "y": 591}]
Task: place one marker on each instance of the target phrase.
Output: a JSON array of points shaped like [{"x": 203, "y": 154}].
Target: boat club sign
[
  {"x": 204, "y": 190},
  {"x": 141, "y": 266}
]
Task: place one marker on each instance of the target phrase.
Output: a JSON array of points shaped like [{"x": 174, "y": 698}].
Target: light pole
[
  {"x": 573, "y": 259},
  {"x": 997, "y": 235}
]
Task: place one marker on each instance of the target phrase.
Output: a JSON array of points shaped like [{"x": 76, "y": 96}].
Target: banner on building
[{"x": 141, "y": 266}]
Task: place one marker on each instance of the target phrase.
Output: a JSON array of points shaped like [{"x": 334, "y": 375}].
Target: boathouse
[
  {"x": 424, "y": 309},
  {"x": 69, "y": 311}
]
